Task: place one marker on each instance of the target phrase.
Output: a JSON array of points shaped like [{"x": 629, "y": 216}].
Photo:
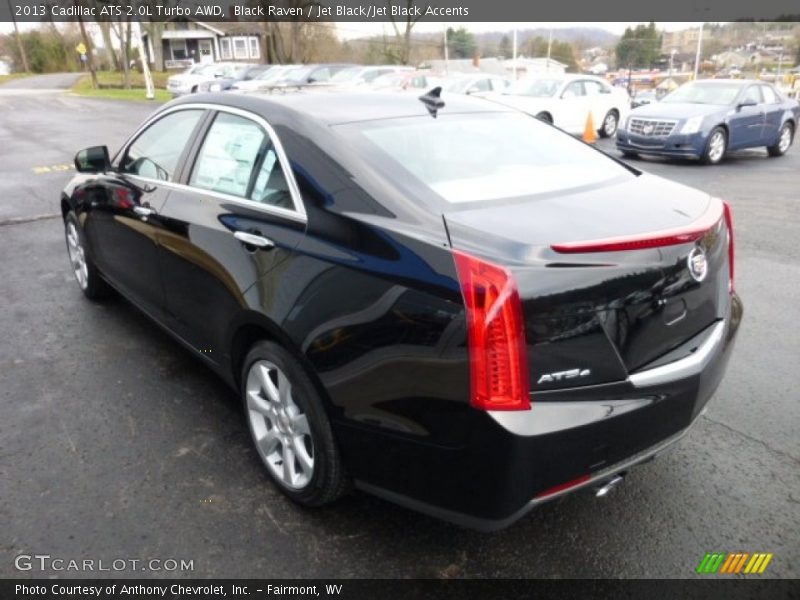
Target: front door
[
  {"x": 235, "y": 219},
  {"x": 747, "y": 124},
  {"x": 124, "y": 223},
  {"x": 573, "y": 108},
  {"x": 205, "y": 47}
]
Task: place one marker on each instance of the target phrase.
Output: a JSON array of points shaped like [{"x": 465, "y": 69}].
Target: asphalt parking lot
[{"x": 115, "y": 443}]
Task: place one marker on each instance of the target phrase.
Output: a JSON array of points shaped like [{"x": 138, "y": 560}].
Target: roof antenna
[{"x": 433, "y": 101}]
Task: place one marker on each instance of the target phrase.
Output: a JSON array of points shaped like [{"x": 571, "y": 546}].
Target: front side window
[
  {"x": 594, "y": 88},
  {"x": 770, "y": 97},
  {"x": 228, "y": 156},
  {"x": 573, "y": 90},
  {"x": 752, "y": 94},
  {"x": 536, "y": 88},
  {"x": 157, "y": 150}
]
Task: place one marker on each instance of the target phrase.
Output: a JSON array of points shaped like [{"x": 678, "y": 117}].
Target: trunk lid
[{"x": 594, "y": 317}]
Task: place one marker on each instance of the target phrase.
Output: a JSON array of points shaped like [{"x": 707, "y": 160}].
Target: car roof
[
  {"x": 728, "y": 81},
  {"x": 332, "y": 106}
]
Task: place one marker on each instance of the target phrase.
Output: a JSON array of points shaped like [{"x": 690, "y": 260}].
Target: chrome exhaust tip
[{"x": 609, "y": 485}]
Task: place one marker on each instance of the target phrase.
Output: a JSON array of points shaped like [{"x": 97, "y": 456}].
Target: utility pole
[
  {"x": 446, "y": 52},
  {"x": 549, "y": 48},
  {"x": 148, "y": 77},
  {"x": 89, "y": 48},
  {"x": 20, "y": 46},
  {"x": 699, "y": 51},
  {"x": 514, "y": 52}
]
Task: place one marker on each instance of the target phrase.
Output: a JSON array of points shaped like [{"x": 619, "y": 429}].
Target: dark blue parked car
[{"x": 705, "y": 119}]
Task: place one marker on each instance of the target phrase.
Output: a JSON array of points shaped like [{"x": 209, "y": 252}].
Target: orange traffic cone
[{"x": 589, "y": 133}]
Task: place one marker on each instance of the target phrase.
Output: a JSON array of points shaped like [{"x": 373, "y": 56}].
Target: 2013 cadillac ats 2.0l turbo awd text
[{"x": 449, "y": 304}]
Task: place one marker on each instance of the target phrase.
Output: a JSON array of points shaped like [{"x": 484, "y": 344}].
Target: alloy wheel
[
  {"x": 280, "y": 427},
  {"x": 77, "y": 256},
  {"x": 610, "y": 124},
  {"x": 786, "y": 139},
  {"x": 716, "y": 146}
]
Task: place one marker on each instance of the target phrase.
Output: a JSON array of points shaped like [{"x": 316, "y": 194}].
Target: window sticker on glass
[{"x": 229, "y": 153}]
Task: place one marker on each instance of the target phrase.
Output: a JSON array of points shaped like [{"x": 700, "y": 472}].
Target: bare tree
[
  {"x": 123, "y": 31},
  {"x": 20, "y": 45},
  {"x": 402, "y": 30}
]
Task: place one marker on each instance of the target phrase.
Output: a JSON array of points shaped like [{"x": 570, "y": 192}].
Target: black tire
[
  {"x": 329, "y": 480},
  {"x": 93, "y": 285},
  {"x": 631, "y": 155},
  {"x": 777, "y": 150},
  {"x": 543, "y": 116},
  {"x": 710, "y": 153},
  {"x": 610, "y": 124}
]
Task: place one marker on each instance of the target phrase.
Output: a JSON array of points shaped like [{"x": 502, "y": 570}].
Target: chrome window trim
[{"x": 299, "y": 212}]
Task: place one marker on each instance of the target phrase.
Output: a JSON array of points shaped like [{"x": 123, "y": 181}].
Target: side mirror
[
  {"x": 93, "y": 160},
  {"x": 744, "y": 103}
]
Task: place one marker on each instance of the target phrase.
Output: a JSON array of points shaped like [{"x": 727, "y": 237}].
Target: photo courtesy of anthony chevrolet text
[{"x": 415, "y": 299}]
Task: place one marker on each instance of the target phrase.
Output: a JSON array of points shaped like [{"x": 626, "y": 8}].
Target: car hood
[{"x": 677, "y": 110}]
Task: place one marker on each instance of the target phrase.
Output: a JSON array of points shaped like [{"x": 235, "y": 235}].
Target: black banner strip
[{"x": 449, "y": 11}]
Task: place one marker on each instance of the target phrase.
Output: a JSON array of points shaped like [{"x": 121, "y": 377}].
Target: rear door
[
  {"x": 235, "y": 217},
  {"x": 773, "y": 116}
]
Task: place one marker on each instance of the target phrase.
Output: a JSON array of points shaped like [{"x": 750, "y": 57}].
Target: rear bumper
[
  {"x": 675, "y": 145},
  {"x": 515, "y": 461}
]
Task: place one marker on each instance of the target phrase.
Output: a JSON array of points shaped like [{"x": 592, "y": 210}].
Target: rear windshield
[{"x": 481, "y": 156}]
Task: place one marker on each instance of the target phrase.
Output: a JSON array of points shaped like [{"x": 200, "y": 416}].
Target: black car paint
[{"x": 365, "y": 293}]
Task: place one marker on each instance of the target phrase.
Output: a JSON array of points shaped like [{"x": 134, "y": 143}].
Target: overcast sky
[{"x": 353, "y": 30}]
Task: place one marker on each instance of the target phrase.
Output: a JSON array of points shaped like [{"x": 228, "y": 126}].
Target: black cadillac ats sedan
[{"x": 452, "y": 305}]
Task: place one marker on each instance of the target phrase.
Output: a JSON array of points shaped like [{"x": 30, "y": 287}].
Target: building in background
[{"x": 185, "y": 42}]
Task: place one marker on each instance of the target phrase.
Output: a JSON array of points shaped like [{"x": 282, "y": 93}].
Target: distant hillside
[
  {"x": 580, "y": 37},
  {"x": 585, "y": 36}
]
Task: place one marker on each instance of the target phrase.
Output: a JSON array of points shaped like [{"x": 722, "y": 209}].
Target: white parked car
[
  {"x": 567, "y": 100},
  {"x": 188, "y": 81},
  {"x": 269, "y": 77},
  {"x": 477, "y": 84},
  {"x": 359, "y": 76}
]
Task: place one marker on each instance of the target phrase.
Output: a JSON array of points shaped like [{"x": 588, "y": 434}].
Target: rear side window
[
  {"x": 481, "y": 156},
  {"x": 228, "y": 156},
  {"x": 238, "y": 158},
  {"x": 157, "y": 150}
]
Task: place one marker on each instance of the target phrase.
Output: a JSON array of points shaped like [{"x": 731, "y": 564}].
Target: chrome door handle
[
  {"x": 251, "y": 239},
  {"x": 144, "y": 211}
]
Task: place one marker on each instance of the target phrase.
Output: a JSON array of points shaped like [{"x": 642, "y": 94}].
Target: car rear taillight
[
  {"x": 496, "y": 335},
  {"x": 731, "y": 247}
]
